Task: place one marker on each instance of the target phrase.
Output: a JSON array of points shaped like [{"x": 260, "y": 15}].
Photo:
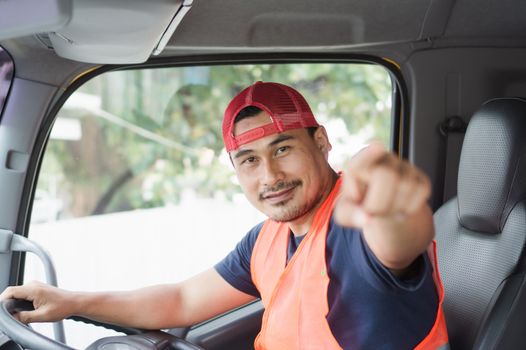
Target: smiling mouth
[{"x": 278, "y": 197}]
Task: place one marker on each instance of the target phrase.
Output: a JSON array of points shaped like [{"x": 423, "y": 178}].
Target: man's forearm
[
  {"x": 397, "y": 241},
  {"x": 162, "y": 306},
  {"x": 149, "y": 308}
]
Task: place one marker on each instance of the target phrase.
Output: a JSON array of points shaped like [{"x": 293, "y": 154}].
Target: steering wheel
[{"x": 29, "y": 338}]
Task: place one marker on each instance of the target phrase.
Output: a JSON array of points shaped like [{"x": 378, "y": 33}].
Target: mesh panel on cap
[
  {"x": 275, "y": 98},
  {"x": 304, "y": 106},
  {"x": 287, "y": 106},
  {"x": 231, "y": 111},
  {"x": 288, "y": 109}
]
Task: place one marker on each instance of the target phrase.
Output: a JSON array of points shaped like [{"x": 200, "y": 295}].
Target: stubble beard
[{"x": 292, "y": 212}]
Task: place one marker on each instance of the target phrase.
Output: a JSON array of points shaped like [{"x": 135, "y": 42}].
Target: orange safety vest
[{"x": 295, "y": 294}]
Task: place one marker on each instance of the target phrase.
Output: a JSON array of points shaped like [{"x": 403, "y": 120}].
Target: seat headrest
[{"x": 492, "y": 170}]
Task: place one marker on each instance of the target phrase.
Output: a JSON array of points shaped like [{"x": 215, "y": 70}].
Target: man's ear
[{"x": 322, "y": 140}]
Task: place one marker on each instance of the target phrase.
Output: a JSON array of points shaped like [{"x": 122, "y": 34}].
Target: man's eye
[
  {"x": 282, "y": 150},
  {"x": 249, "y": 160}
]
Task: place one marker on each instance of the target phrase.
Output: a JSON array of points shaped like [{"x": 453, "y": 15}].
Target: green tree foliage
[{"x": 150, "y": 135}]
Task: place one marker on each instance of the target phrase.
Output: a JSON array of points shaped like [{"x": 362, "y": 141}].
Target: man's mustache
[{"x": 279, "y": 187}]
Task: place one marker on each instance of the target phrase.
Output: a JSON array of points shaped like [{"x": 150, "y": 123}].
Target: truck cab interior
[{"x": 110, "y": 142}]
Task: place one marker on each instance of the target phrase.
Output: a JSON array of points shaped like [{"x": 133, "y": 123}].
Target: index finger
[{"x": 18, "y": 292}]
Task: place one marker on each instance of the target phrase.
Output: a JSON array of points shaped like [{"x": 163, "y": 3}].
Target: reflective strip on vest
[{"x": 295, "y": 294}]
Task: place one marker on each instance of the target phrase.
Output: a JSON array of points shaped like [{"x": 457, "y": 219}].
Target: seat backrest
[{"x": 481, "y": 232}]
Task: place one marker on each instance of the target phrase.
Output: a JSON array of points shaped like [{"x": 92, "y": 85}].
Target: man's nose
[{"x": 271, "y": 173}]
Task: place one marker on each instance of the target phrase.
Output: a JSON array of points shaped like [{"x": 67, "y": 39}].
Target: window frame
[
  {"x": 399, "y": 113},
  {"x": 8, "y": 57}
]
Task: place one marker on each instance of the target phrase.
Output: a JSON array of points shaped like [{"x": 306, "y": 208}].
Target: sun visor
[
  {"x": 105, "y": 32},
  {"x": 27, "y": 17}
]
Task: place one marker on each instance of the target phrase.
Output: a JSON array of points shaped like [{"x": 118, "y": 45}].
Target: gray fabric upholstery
[
  {"x": 481, "y": 233},
  {"x": 472, "y": 266},
  {"x": 492, "y": 155}
]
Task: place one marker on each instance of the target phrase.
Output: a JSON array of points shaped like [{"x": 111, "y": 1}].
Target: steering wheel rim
[
  {"x": 29, "y": 338},
  {"x": 19, "y": 332}
]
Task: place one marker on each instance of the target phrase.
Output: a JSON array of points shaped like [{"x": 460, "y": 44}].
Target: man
[{"x": 341, "y": 262}]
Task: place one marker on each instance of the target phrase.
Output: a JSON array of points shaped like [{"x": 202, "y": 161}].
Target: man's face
[{"x": 283, "y": 175}]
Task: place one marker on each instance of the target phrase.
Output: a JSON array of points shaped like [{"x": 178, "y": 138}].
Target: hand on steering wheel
[{"x": 29, "y": 338}]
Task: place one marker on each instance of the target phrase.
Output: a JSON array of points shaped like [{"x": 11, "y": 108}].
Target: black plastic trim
[{"x": 17, "y": 264}]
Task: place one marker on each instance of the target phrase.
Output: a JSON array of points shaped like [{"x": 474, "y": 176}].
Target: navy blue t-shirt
[{"x": 369, "y": 308}]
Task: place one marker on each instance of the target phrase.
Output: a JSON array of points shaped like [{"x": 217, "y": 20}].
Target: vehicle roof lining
[
  {"x": 493, "y": 18},
  {"x": 365, "y": 26},
  {"x": 255, "y": 23},
  {"x": 51, "y": 69}
]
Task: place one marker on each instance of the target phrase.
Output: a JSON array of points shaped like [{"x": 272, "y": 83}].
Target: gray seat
[{"x": 481, "y": 233}]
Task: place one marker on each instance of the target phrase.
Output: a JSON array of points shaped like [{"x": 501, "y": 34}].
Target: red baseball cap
[{"x": 287, "y": 108}]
